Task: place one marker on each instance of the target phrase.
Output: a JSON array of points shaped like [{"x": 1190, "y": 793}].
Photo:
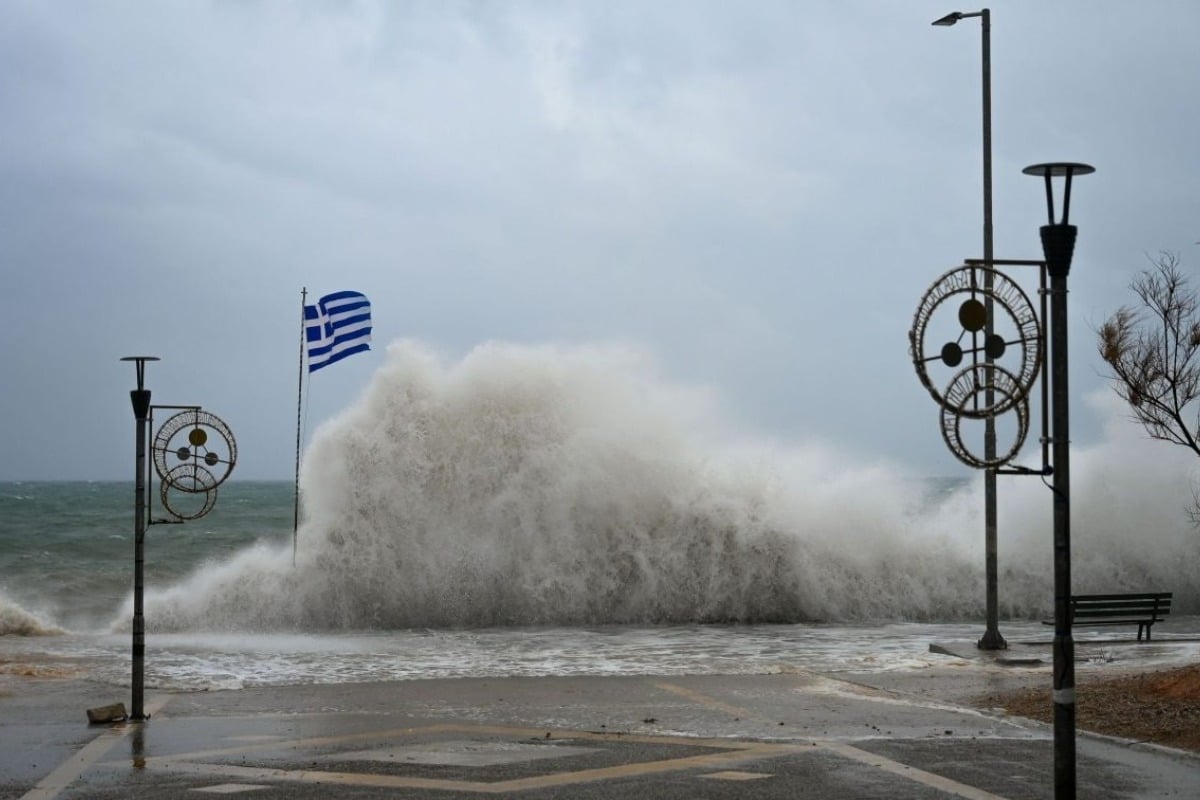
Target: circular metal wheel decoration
[
  {"x": 198, "y": 439},
  {"x": 964, "y": 391},
  {"x": 191, "y": 479},
  {"x": 1018, "y": 332}
]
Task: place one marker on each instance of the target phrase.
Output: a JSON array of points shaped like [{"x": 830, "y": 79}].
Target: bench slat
[
  {"x": 1141, "y": 609},
  {"x": 1135, "y": 596},
  {"x": 1111, "y": 605}
]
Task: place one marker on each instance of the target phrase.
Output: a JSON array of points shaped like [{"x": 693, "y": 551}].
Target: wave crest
[
  {"x": 17, "y": 621},
  {"x": 567, "y": 486}
]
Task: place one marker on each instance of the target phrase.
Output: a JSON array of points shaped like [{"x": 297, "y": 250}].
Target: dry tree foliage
[{"x": 1153, "y": 352}]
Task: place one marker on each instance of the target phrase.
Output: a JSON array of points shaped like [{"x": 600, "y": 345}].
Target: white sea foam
[
  {"x": 196, "y": 661},
  {"x": 16, "y": 620},
  {"x": 572, "y": 486}
]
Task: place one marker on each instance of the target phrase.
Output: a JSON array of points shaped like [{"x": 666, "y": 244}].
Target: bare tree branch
[{"x": 1153, "y": 354}]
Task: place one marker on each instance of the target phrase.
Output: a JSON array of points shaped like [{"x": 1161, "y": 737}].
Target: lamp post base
[{"x": 992, "y": 640}]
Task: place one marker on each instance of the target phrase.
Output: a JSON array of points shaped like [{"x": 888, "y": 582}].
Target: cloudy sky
[{"x": 756, "y": 193}]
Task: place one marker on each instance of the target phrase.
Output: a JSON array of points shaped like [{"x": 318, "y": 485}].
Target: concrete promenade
[{"x": 795, "y": 735}]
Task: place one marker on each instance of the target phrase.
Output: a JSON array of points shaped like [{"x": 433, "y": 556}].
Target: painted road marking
[
  {"x": 232, "y": 788},
  {"x": 463, "y": 753},
  {"x": 730, "y": 753},
  {"x": 734, "y": 775},
  {"x": 845, "y": 750},
  {"x": 912, "y": 773},
  {"x": 737, "y": 712},
  {"x": 49, "y": 787},
  {"x": 727, "y": 753}
]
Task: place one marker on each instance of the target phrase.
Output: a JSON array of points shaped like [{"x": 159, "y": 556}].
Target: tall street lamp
[
  {"x": 189, "y": 460},
  {"x": 1058, "y": 245},
  {"x": 992, "y": 640},
  {"x": 140, "y": 398}
]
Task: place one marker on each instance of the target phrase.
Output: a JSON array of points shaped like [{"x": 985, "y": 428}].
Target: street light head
[
  {"x": 949, "y": 19},
  {"x": 1058, "y": 238},
  {"x": 140, "y": 363},
  {"x": 1058, "y": 169}
]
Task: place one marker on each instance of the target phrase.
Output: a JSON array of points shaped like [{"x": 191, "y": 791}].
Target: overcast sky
[{"x": 757, "y": 193}]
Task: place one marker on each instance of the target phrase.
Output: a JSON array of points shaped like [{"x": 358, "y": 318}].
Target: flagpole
[{"x": 299, "y": 401}]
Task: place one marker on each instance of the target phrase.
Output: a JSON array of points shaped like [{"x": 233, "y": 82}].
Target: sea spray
[
  {"x": 1130, "y": 527},
  {"x": 572, "y": 486},
  {"x": 18, "y": 621}
]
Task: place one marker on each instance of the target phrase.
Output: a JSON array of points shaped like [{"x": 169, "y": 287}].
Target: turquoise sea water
[{"x": 66, "y": 548}]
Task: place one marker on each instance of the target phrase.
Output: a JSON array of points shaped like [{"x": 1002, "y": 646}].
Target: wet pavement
[{"x": 793, "y": 735}]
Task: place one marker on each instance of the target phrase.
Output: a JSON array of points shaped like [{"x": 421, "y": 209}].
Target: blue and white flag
[{"x": 339, "y": 325}]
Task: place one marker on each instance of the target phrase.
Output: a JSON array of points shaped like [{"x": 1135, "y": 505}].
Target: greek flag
[{"x": 339, "y": 325}]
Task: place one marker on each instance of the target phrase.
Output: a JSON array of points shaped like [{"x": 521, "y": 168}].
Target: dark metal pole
[
  {"x": 140, "y": 399},
  {"x": 1058, "y": 241},
  {"x": 992, "y": 640},
  {"x": 1058, "y": 246}
]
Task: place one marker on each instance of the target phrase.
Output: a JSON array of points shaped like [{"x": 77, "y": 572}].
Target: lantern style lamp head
[
  {"x": 955, "y": 16},
  {"x": 1058, "y": 238},
  {"x": 140, "y": 361}
]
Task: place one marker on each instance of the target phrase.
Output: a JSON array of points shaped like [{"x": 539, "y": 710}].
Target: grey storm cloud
[{"x": 757, "y": 195}]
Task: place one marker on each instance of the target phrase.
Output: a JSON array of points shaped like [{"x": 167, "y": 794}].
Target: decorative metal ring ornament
[
  {"x": 192, "y": 479},
  {"x": 966, "y": 283},
  {"x": 198, "y": 439},
  {"x": 964, "y": 390}
]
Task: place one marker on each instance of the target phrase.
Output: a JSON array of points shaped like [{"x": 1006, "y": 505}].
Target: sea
[{"x": 564, "y": 511}]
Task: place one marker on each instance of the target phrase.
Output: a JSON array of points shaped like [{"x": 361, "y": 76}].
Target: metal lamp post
[
  {"x": 992, "y": 640},
  {"x": 184, "y": 466},
  {"x": 140, "y": 397},
  {"x": 1058, "y": 245}
]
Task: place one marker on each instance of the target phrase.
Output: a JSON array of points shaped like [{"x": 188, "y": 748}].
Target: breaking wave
[
  {"x": 573, "y": 486},
  {"x": 17, "y": 621}
]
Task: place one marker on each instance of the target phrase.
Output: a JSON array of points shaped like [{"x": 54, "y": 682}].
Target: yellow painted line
[
  {"x": 912, "y": 773},
  {"x": 711, "y": 702},
  {"x": 846, "y": 750},
  {"x": 314, "y": 776},
  {"x": 753, "y": 752},
  {"x": 731, "y": 753},
  {"x": 67, "y": 772},
  {"x": 319, "y": 741},
  {"x": 497, "y": 730},
  {"x": 709, "y": 761}
]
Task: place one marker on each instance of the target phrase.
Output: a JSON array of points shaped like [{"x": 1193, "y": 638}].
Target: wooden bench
[{"x": 1142, "y": 610}]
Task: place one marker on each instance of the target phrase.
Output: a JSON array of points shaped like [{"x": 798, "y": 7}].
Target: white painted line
[
  {"x": 735, "y": 775},
  {"x": 232, "y": 788}
]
